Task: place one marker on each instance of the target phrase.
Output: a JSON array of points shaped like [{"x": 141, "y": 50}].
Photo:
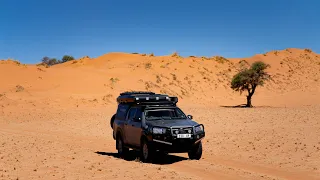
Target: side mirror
[{"x": 190, "y": 116}]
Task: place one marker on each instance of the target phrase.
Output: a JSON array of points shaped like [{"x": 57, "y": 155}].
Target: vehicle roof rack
[
  {"x": 136, "y": 92},
  {"x": 146, "y": 98}
]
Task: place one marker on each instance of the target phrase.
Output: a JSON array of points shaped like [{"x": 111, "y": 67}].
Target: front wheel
[
  {"x": 146, "y": 152},
  {"x": 196, "y": 151}
]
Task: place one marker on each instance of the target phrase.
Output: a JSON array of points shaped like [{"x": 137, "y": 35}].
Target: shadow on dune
[
  {"x": 244, "y": 106},
  {"x": 159, "y": 159}
]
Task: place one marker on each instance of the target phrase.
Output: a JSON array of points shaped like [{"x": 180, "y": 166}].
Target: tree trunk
[
  {"x": 250, "y": 94},
  {"x": 249, "y": 101}
]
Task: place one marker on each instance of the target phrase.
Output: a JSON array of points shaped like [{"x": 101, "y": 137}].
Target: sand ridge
[{"x": 54, "y": 121}]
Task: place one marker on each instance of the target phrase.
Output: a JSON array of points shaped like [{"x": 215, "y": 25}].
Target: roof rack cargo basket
[
  {"x": 146, "y": 98},
  {"x": 136, "y": 92}
]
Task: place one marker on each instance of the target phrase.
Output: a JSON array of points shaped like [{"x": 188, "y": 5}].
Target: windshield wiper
[
  {"x": 159, "y": 118},
  {"x": 178, "y": 117},
  {"x": 166, "y": 117}
]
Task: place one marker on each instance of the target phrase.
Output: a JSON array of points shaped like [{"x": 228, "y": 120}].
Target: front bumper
[{"x": 172, "y": 144}]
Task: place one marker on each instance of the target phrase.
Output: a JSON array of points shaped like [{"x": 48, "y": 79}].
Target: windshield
[{"x": 165, "y": 114}]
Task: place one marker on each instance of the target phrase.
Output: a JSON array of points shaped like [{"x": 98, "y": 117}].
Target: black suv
[{"x": 150, "y": 122}]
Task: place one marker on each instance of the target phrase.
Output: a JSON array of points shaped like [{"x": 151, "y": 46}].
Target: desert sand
[{"x": 54, "y": 121}]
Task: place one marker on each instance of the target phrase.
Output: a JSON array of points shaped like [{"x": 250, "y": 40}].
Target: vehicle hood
[{"x": 170, "y": 123}]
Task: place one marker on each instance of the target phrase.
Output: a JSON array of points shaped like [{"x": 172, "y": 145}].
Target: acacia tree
[
  {"x": 45, "y": 60},
  {"x": 249, "y": 79}
]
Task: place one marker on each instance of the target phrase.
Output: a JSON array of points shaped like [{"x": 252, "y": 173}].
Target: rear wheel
[
  {"x": 112, "y": 120},
  {"x": 196, "y": 151},
  {"x": 146, "y": 152},
  {"x": 122, "y": 150}
]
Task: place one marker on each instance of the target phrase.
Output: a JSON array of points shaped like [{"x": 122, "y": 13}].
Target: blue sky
[{"x": 30, "y": 30}]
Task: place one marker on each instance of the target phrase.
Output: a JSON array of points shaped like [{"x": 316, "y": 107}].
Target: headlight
[
  {"x": 199, "y": 128},
  {"x": 157, "y": 130}
]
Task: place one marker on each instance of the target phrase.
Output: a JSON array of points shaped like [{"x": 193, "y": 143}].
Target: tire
[
  {"x": 196, "y": 152},
  {"x": 122, "y": 150},
  {"x": 146, "y": 152},
  {"x": 112, "y": 120}
]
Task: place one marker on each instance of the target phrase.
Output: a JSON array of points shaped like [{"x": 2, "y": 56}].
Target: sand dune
[
  {"x": 293, "y": 71},
  {"x": 54, "y": 120}
]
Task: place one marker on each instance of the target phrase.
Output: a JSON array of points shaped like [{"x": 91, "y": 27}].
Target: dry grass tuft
[
  {"x": 148, "y": 65},
  {"x": 19, "y": 88},
  {"x": 220, "y": 59},
  {"x": 308, "y": 50},
  {"x": 176, "y": 55}
]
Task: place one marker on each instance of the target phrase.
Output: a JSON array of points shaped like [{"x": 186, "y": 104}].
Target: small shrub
[
  {"x": 276, "y": 53},
  {"x": 174, "y": 77},
  {"x": 158, "y": 79},
  {"x": 40, "y": 69},
  {"x": 192, "y": 56},
  {"x": 135, "y": 53},
  {"x": 148, "y": 65},
  {"x": 175, "y": 54},
  {"x": 151, "y": 55},
  {"x": 206, "y": 58},
  {"x": 19, "y": 88},
  {"x": 114, "y": 80},
  {"x": 220, "y": 59},
  {"x": 308, "y": 50},
  {"x": 206, "y": 69},
  {"x": 107, "y": 97},
  {"x": 84, "y": 57},
  {"x": 15, "y": 61},
  {"x": 143, "y": 54}
]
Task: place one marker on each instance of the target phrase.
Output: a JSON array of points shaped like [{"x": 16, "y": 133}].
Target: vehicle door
[
  {"x": 127, "y": 125},
  {"x": 135, "y": 128}
]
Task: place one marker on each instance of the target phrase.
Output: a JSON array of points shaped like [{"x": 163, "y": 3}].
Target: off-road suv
[{"x": 150, "y": 122}]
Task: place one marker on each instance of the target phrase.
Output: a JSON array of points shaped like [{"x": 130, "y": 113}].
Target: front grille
[{"x": 186, "y": 130}]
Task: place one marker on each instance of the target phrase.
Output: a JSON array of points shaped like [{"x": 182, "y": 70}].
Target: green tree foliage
[
  {"x": 49, "y": 61},
  {"x": 52, "y": 61},
  {"x": 249, "y": 79},
  {"x": 66, "y": 58}
]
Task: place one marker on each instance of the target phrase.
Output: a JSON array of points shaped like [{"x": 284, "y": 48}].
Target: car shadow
[{"x": 159, "y": 158}]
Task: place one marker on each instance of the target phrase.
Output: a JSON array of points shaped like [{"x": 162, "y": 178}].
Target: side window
[
  {"x": 122, "y": 112},
  {"x": 138, "y": 113},
  {"x": 132, "y": 113}
]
